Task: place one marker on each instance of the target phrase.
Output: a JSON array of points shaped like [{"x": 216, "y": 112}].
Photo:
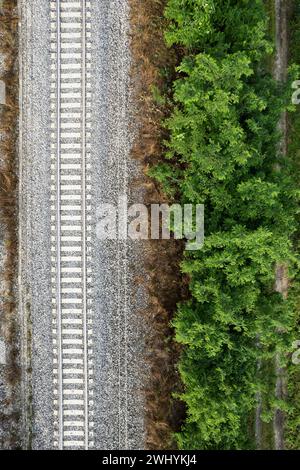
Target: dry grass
[
  {"x": 153, "y": 66},
  {"x": 8, "y": 216}
]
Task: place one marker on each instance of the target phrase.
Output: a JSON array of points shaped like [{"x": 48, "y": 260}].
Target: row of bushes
[{"x": 223, "y": 153}]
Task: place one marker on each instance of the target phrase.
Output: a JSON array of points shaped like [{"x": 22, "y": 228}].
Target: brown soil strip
[
  {"x": 152, "y": 65},
  {"x": 9, "y": 414}
]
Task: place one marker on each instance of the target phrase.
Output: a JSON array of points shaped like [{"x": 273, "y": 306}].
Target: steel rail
[
  {"x": 84, "y": 235},
  {"x": 71, "y": 152},
  {"x": 58, "y": 232}
]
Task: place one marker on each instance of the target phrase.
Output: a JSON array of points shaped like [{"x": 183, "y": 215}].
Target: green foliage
[{"x": 223, "y": 153}]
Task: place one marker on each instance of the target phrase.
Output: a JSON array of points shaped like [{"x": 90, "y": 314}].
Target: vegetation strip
[{"x": 223, "y": 152}]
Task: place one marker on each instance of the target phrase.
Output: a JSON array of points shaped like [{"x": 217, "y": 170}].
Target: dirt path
[
  {"x": 258, "y": 411},
  {"x": 281, "y": 282}
]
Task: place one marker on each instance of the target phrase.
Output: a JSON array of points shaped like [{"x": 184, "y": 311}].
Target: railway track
[{"x": 70, "y": 224}]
